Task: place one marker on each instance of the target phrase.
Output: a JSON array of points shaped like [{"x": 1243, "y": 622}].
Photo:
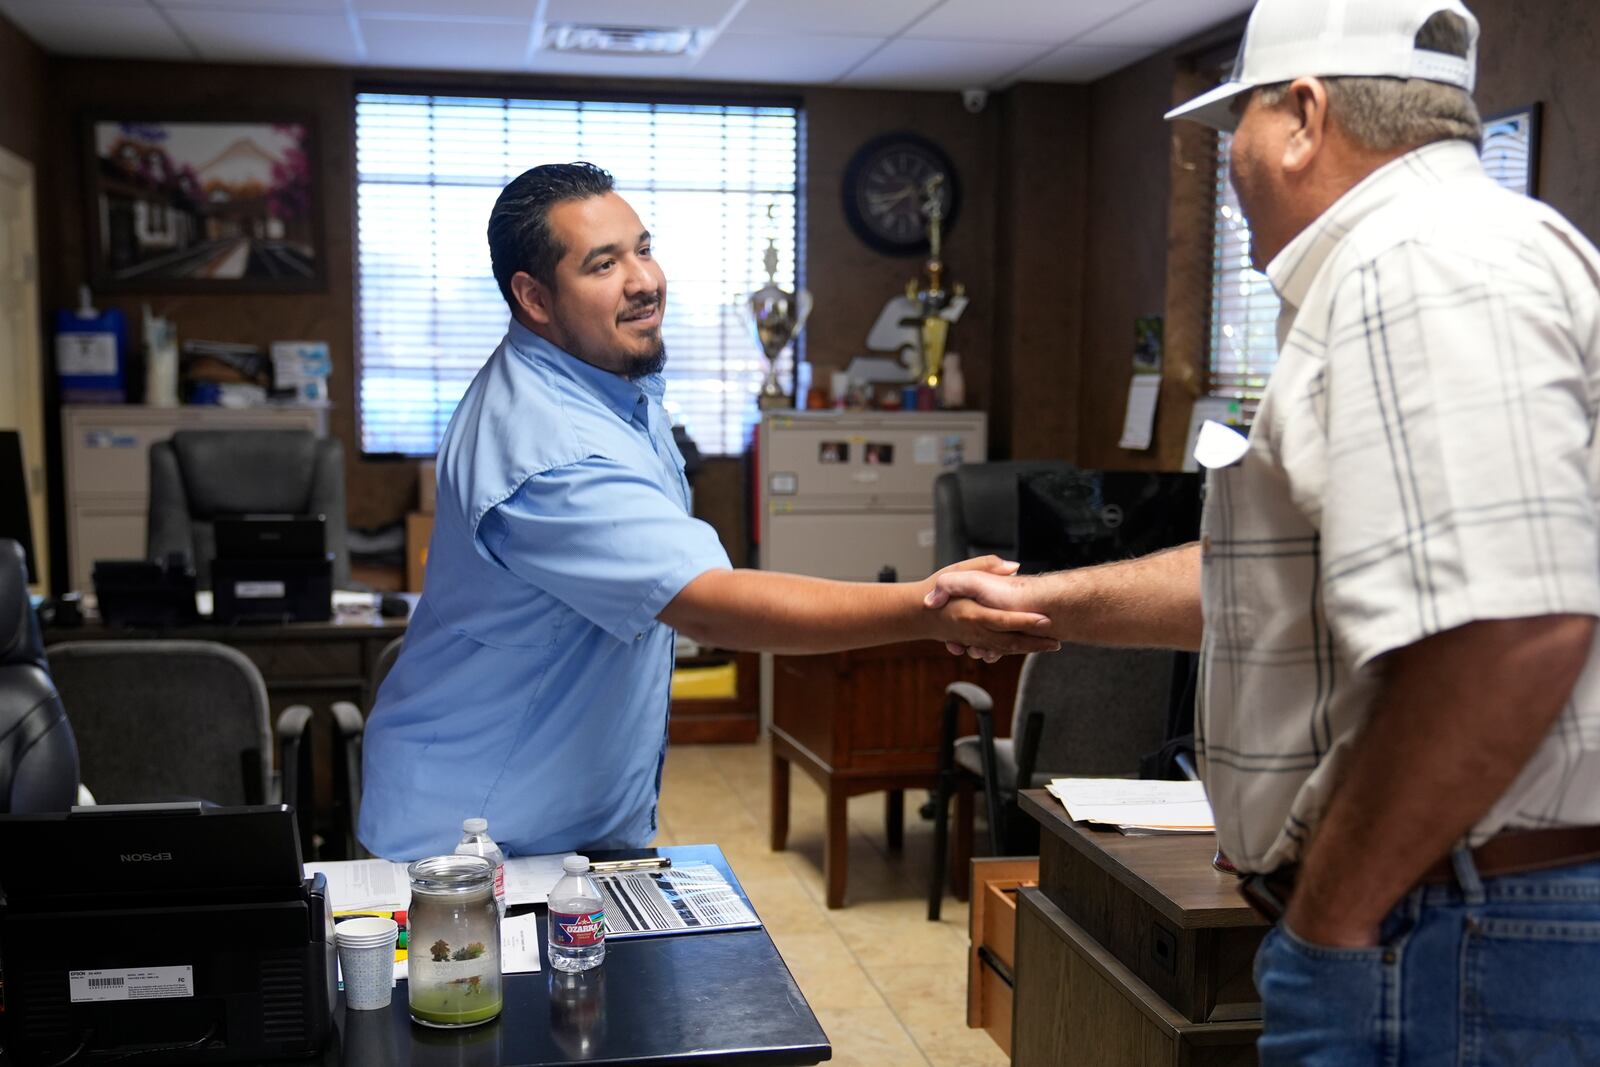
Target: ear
[
  {"x": 1307, "y": 103},
  {"x": 533, "y": 297}
]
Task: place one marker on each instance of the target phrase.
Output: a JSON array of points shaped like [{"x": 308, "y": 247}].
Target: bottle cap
[
  {"x": 575, "y": 864},
  {"x": 475, "y": 826}
]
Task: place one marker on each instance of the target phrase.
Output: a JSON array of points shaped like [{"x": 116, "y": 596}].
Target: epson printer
[{"x": 162, "y": 935}]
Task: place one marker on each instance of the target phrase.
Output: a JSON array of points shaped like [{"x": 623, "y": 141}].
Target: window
[
  {"x": 428, "y": 170},
  {"x": 1244, "y": 308}
]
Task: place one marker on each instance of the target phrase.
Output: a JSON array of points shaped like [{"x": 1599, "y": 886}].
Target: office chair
[
  {"x": 975, "y": 509},
  {"x": 201, "y": 475},
  {"x": 1085, "y": 711},
  {"x": 349, "y": 723},
  {"x": 38, "y": 755},
  {"x": 166, "y": 720}
]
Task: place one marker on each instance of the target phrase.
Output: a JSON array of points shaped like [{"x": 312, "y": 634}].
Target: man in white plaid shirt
[{"x": 1396, "y": 591}]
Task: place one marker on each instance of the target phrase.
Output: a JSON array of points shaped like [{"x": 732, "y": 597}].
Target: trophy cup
[
  {"x": 937, "y": 308},
  {"x": 775, "y": 317}
]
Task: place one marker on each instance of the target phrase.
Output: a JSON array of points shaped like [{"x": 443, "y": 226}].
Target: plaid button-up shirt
[{"x": 1424, "y": 457}]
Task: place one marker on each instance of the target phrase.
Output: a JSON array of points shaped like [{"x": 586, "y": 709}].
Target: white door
[{"x": 21, "y": 392}]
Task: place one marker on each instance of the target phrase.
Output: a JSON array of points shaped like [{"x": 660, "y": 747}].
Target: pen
[{"x": 642, "y": 864}]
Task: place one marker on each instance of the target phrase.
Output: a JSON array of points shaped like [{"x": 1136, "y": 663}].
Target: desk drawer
[{"x": 993, "y": 930}]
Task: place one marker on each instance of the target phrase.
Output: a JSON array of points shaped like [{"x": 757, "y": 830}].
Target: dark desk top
[
  {"x": 1170, "y": 872},
  {"x": 713, "y": 998}
]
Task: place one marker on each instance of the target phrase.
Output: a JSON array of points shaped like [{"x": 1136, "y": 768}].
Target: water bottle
[
  {"x": 475, "y": 841},
  {"x": 577, "y": 919}
]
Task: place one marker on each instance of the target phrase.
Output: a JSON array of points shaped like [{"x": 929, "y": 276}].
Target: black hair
[{"x": 519, "y": 226}]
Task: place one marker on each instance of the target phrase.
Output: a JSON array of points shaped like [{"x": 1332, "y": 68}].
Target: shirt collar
[
  {"x": 1294, "y": 269},
  {"x": 628, "y": 398}
]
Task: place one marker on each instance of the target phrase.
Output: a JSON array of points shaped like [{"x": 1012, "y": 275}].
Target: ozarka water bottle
[
  {"x": 475, "y": 841},
  {"x": 577, "y": 919}
]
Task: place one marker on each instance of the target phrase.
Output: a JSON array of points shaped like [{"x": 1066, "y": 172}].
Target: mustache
[{"x": 639, "y": 308}]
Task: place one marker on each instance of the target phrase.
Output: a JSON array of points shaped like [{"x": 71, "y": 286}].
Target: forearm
[
  {"x": 788, "y": 613},
  {"x": 1457, "y": 717},
  {"x": 1150, "y": 602}
]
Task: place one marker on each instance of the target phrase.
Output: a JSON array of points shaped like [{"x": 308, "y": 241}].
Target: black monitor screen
[
  {"x": 1077, "y": 518},
  {"x": 14, "y": 520}
]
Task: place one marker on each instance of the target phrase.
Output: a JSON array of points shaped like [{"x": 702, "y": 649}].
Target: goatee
[{"x": 649, "y": 363}]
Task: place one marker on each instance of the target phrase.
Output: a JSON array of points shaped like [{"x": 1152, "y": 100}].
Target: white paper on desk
[
  {"x": 1135, "y": 802},
  {"x": 365, "y": 885},
  {"x": 1139, "y": 424},
  {"x": 529, "y": 879},
  {"x": 519, "y": 946}
]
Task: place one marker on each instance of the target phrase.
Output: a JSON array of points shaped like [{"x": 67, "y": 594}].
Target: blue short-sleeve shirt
[{"x": 534, "y": 683}]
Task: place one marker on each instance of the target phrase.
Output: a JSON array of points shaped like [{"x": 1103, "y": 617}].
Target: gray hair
[{"x": 1389, "y": 114}]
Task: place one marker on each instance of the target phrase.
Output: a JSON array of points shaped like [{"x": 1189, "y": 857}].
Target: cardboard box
[
  {"x": 427, "y": 484},
  {"x": 419, "y": 531}
]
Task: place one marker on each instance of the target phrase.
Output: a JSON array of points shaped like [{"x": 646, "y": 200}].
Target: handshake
[{"x": 981, "y": 609}]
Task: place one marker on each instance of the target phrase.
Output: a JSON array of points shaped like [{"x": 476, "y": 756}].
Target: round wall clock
[{"x": 884, "y": 194}]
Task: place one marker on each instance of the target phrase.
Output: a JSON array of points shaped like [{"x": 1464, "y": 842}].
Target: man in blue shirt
[{"x": 534, "y": 684}]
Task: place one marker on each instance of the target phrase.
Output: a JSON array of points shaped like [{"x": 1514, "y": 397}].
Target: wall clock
[{"x": 883, "y": 192}]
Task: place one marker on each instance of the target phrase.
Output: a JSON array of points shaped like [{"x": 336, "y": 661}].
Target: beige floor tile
[{"x": 869, "y": 1036}]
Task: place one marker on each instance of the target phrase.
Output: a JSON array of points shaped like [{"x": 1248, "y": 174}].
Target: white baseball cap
[{"x": 1289, "y": 39}]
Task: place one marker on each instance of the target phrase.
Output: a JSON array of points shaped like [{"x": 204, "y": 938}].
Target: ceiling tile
[
  {"x": 451, "y": 10},
  {"x": 880, "y": 18},
  {"x": 639, "y": 12},
  {"x": 255, "y": 37},
  {"x": 440, "y": 45},
  {"x": 1159, "y": 23},
  {"x": 909, "y": 64},
  {"x": 122, "y": 30},
  {"x": 796, "y": 59},
  {"x": 1023, "y": 21},
  {"x": 1081, "y": 63}
]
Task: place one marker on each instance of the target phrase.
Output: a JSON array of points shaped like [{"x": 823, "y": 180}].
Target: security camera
[{"x": 974, "y": 99}]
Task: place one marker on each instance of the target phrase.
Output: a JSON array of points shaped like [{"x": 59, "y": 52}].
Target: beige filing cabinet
[
  {"x": 846, "y": 493},
  {"x": 107, "y": 451}
]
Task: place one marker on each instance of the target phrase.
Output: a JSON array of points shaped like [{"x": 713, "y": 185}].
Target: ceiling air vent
[{"x": 624, "y": 40}]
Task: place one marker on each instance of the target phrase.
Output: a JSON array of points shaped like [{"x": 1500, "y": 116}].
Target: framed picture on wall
[
  {"x": 1511, "y": 149},
  {"x": 203, "y": 205}
]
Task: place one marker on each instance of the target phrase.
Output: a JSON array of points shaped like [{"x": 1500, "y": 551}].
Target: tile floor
[{"x": 889, "y": 987}]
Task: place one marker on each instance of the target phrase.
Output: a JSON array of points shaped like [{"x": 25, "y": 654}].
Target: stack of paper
[
  {"x": 1136, "y": 806},
  {"x": 383, "y": 885}
]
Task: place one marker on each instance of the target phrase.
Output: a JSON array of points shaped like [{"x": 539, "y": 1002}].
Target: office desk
[
  {"x": 715, "y": 998},
  {"x": 868, "y": 721},
  {"x": 1132, "y": 950}
]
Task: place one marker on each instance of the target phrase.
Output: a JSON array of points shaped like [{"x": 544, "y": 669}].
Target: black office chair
[
  {"x": 349, "y": 724},
  {"x": 1085, "y": 711},
  {"x": 169, "y": 720},
  {"x": 38, "y": 754},
  {"x": 201, "y": 475},
  {"x": 975, "y": 508}
]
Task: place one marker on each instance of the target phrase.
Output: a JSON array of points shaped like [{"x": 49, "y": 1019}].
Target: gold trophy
[
  {"x": 776, "y": 316},
  {"x": 937, "y": 308}
]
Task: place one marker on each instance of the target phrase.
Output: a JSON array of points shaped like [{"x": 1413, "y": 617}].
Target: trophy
[
  {"x": 937, "y": 309},
  {"x": 775, "y": 317}
]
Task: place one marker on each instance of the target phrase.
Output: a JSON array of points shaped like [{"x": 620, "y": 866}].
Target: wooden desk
[
  {"x": 868, "y": 721},
  {"x": 1132, "y": 950},
  {"x": 723, "y": 998}
]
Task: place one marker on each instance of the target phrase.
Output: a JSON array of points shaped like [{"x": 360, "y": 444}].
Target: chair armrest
[
  {"x": 349, "y": 726},
  {"x": 294, "y": 756},
  {"x": 347, "y": 719},
  {"x": 976, "y": 696}
]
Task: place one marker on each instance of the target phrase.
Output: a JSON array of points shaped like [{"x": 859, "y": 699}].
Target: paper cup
[{"x": 366, "y": 961}]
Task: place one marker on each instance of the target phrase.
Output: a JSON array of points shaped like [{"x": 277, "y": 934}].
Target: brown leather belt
[
  {"x": 1519, "y": 851},
  {"x": 1509, "y": 852}
]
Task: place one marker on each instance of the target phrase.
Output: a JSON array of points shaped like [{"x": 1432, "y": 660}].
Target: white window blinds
[
  {"x": 1244, "y": 308},
  {"x": 428, "y": 171}
]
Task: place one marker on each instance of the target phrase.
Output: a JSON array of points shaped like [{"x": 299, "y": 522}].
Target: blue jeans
[{"x": 1498, "y": 971}]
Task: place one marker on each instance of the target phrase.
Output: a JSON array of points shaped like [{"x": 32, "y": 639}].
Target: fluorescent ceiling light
[{"x": 625, "y": 40}]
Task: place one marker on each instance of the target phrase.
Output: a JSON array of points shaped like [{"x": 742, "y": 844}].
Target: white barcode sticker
[
  {"x": 260, "y": 590},
  {"x": 143, "y": 983}
]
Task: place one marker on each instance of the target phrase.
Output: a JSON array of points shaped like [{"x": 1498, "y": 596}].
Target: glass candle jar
[{"x": 453, "y": 943}]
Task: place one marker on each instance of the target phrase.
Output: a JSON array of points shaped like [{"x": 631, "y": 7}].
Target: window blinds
[
  {"x": 1244, "y": 308},
  {"x": 429, "y": 168}
]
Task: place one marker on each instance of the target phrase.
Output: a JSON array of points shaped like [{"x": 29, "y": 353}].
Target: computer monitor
[
  {"x": 1078, "y": 518},
  {"x": 15, "y": 521}
]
